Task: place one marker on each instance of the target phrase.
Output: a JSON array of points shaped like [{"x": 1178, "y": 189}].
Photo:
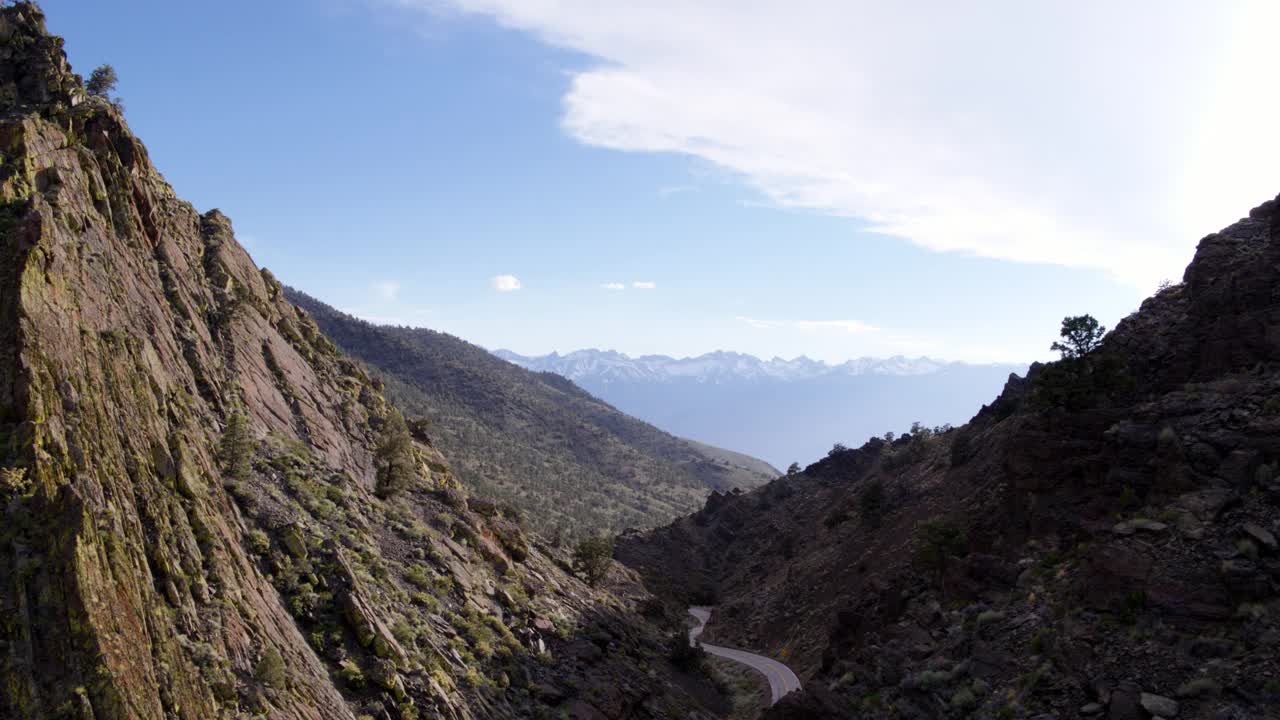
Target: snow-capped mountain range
[
  {"x": 715, "y": 367},
  {"x": 779, "y": 410}
]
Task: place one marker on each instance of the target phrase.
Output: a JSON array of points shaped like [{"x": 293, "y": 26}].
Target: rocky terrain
[
  {"x": 534, "y": 440},
  {"x": 1098, "y": 542},
  {"x": 207, "y": 511}
]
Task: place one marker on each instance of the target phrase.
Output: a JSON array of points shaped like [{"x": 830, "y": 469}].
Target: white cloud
[
  {"x": 847, "y": 338},
  {"x": 387, "y": 290},
  {"x": 643, "y": 285},
  {"x": 504, "y": 283},
  {"x": 1091, "y": 134},
  {"x": 613, "y": 286},
  {"x": 669, "y": 190},
  {"x": 758, "y": 323},
  {"x": 848, "y": 326},
  {"x": 843, "y": 326}
]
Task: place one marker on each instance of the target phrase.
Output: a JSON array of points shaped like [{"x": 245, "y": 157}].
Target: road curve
[{"x": 781, "y": 679}]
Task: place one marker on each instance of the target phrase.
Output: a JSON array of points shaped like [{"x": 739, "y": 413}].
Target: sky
[{"x": 826, "y": 178}]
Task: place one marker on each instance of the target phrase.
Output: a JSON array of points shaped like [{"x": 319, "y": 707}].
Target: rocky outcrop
[
  {"x": 1110, "y": 556},
  {"x": 189, "y": 526}
]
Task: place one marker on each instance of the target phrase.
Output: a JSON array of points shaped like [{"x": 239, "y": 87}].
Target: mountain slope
[
  {"x": 537, "y": 440},
  {"x": 1099, "y": 541},
  {"x": 207, "y": 512},
  {"x": 781, "y": 410}
]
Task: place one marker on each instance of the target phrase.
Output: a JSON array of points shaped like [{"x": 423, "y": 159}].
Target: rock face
[
  {"x": 147, "y": 574},
  {"x": 1103, "y": 539}
]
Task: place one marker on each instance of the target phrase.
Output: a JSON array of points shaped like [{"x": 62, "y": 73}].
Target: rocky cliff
[
  {"x": 206, "y": 511},
  {"x": 1100, "y": 541}
]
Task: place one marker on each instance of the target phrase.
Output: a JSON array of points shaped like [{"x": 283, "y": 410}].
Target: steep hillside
[
  {"x": 1098, "y": 542},
  {"x": 206, "y": 511},
  {"x": 536, "y": 440},
  {"x": 780, "y": 410}
]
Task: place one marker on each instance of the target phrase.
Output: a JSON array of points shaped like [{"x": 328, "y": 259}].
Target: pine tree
[
  {"x": 396, "y": 465},
  {"x": 592, "y": 557},
  {"x": 102, "y": 81},
  {"x": 237, "y": 447}
]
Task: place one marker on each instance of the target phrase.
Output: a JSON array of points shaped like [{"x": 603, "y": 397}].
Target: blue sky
[{"x": 836, "y": 180}]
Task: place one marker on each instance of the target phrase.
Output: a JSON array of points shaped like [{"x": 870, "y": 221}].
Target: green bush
[
  {"x": 419, "y": 577},
  {"x": 593, "y": 557},
  {"x": 871, "y": 503},
  {"x": 14, "y": 480},
  {"x": 270, "y": 670},
  {"x": 937, "y": 541},
  {"x": 835, "y": 517}
]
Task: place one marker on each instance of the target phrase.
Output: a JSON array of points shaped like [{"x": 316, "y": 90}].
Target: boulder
[
  {"x": 1159, "y": 705},
  {"x": 369, "y": 628},
  {"x": 1260, "y": 535},
  {"x": 1129, "y": 527},
  {"x": 294, "y": 541}
]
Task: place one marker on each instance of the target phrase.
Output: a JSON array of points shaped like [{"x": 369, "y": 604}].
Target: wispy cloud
[
  {"x": 843, "y": 326},
  {"x": 848, "y": 326},
  {"x": 669, "y": 190},
  {"x": 387, "y": 290},
  {"x": 644, "y": 285},
  {"x": 613, "y": 286},
  {"x": 855, "y": 335},
  {"x": 1087, "y": 150},
  {"x": 504, "y": 283},
  {"x": 758, "y": 323}
]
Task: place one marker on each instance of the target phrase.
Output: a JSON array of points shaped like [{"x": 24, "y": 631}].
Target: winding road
[{"x": 781, "y": 679}]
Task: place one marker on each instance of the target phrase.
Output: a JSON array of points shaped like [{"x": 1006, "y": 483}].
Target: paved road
[{"x": 781, "y": 679}]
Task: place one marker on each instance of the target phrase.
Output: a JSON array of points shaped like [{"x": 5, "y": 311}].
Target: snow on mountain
[{"x": 714, "y": 367}]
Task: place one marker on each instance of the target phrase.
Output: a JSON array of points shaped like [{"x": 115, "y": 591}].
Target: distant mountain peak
[{"x": 611, "y": 365}]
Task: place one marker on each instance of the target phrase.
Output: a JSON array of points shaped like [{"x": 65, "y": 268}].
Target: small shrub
[
  {"x": 1041, "y": 642},
  {"x": 1247, "y": 548},
  {"x": 351, "y": 674},
  {"x": 1132, "y": 604},
  {"x": 419, "y": 577},
  {"x": 427, "y": 601},
  {"x": 988, "y": 617},
  {"x": 964, "y": 699},
  {"x": 13, "y": 481},
  {"x": 443, "y": 584},
  {"x": 835, "y": 517},
  {"x": 259, "y": 542},
  {"x": 270, "y": 670},
  {"x": 404, "y": 633}
]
